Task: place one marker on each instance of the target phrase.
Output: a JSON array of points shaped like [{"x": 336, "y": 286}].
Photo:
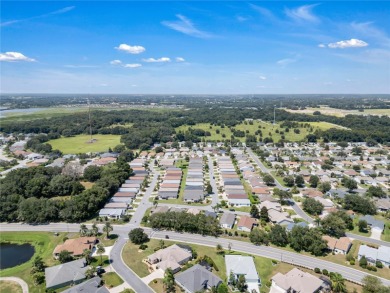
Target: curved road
[{"x": 22, "y": 283}]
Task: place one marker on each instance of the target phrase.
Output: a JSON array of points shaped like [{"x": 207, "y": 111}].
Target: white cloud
[
  {"x": 132, "y": 65},
  {"x": 321, "y": 45},
  {"x": 185, "y": 26},
  {"x": 179, "y": 59},
  {"x": 130, "y": 49},
  {"x": 14, "y": 56},
  {"x": 59, "y": 11},
  {"x": 303, "y": 13},
  {"x": 159, "y": 60},
  {"x": 352, "y": 43},
  {"x": 286, "y": 61},
  {"x": 241, "y": 18},
  {"x": 116, "y": 62},
  {"x": 262, "y": 77}
]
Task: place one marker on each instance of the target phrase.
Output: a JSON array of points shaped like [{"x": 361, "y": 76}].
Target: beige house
[
  {"x": 335, "y": 245},
  {"x": 75, "y": 246},
  {"x": 171, "y": 257},
  {"x": 297, "y": 281}
]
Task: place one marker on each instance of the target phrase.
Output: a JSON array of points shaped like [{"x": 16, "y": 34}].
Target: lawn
[
  {"x": 265, "y": 128},
  {"x": 158, "y": 286},
  {"x": 80, "y": 143},
  {"x": 356, "y": 229},
  {"x": 112, "y": 279},
  {"x": 340, "y": 112},
  {"x": 44, "y": 244},
  {"x": 386, "y": 233},
  {"x": 10, "y": 287},
  {"x": 133, "y": 258}
]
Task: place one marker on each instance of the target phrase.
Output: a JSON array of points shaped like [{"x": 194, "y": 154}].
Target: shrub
[
  {"x": 349, "y": 257},
  {"x": 378, "y": 264},
  {"x": 317, "y": 271},
  {"x": 268, "y": 284},
  {"x": 274, "y": 262},
  {"x": 325, "y": 272},
  {"x": 143, "y": 246},
  {"x": 352, "y": 262},
  {"x": 363, "y": 262}
]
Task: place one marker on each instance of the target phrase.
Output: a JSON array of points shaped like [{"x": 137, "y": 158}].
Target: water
[
  {"x": 13, "y": 254},
  {"x": 3, "y": 113}
]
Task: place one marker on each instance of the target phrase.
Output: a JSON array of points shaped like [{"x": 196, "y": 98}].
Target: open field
[
  {"x": 80, "y": 143},
  {"x": 44, "y": 244},
  {"x": 10, "y": 287},
  {"x": 267, "y": 129},
  {"x": 112, "y": 279},
  {"x": 341, "y": 112}
]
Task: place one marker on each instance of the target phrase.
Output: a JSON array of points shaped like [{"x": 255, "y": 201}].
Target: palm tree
[
  {"x": 95, "y": 229},
  {"x": 317, "y": 220},
  {"x": 100, "y": 250},
  {"x": 338, "y": 285},
  {"x": 83, "y": 230},
  {"x": 107, "y": 229},
  {"x": 87, "y": 255}
]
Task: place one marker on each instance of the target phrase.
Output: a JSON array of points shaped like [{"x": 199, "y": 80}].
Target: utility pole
[{"x": 89, "y": 118}]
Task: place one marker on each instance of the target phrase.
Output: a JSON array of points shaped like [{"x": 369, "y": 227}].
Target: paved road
[
  {"x": 268, "y": 252},
  {"x": 212, "y": 182},
  {"x": 368, "y": 240},
  {"x": 124, "y": 271},
  {"x": 22, "y": 283}
]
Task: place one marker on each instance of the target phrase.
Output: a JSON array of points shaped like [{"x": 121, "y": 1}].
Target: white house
[{"x": 243, "y": 265}]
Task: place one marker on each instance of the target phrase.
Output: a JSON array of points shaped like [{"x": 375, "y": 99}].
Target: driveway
[
  {"x": 157, "y": 274},
  {"x": 376, "y": 234},
  {"x": 22, "y": 283},
  {"x": 106, "y": 252}
]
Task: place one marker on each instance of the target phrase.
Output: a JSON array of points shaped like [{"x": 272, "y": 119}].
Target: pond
[{"x": 13, "y": 254}]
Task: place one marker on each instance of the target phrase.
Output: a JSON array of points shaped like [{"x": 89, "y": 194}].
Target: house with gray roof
[
  {"x": 373, "y": 223},
  {"x": 196, "y": 279},
  {"x": 373, "y": 255},
  {"x": 243, "y": 265},
  {"x": 90, "y": 286},
  {"x": 227, "y": 220},
  {"x": 193, "y": 195},
  {"x": 65, "y": 274}
]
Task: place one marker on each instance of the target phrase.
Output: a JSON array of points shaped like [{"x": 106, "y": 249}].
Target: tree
[
  {"x": 254, "y": 212},
  {"x": 65, "y": 256},
  {"x": 87, "y": 255},
  {"x": 83, "y": 230},
  {"x": 350, "y": 184},
  {"x": 359, "y": 204},
  {"x": 241, "y": 283},
  {"x": 313, "y": 181},
  {"x": 363, "y": 262},
  {"x": 258, "y": 237},
  {"x": 312, "y": 206},
  {"x": 138, "y": 236},
  {"x": 264, "y": 214},
  {"x": 169, "y": 281},
  {"x": 219, "y": 249},
  {"x": 333, "y": 225},
  {"x": 375, "y": 191},
  {"x": 297, "y": 238},
  {"x": 362, "y": 225},
  {"x": 100, "y": 250},
  {"x": 38, "y": 264},
  {"x": 268, "y": 180},
  {"x": 95, "y": 229},
  {"x": 282, "y": 194},
  {"x": 299, "y": 181},
  {"x": 93, "y": 173},
  {"x": 38, "y": 278},
  {"x": 107, "y": 229},
  {"x": 222, "y": 288},
  {"x": 324, "y": 187},
  {"x": 90, "y": 273},
  {"x": 372, "y": 284},
  {"x": 338, "y": 285},
  {"x": 209, "y": 188},
  {"x": 289, "y": 181},
  {"x": 278, "y": 236}
]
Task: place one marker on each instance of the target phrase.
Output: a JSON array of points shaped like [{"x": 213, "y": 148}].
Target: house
[
  {"x": 75, "y": 246},
  {"x": 281, "y": 218},
  {"x": 382, "y": 204},
  {"x": 296, "y": 281},
  {"x": 227, "y": 220},
  {"x": 243, "y": 265},
  {"x": 245, "y": 224},
  {"x": 112, "y": 213},
  {"x": 197, "y": 279},
  {"x": 373, "y": 223},
  {"x": 373, "y": 255},
  {"x": 171, "y": 257},
  {"x": 290, "y": 226},
  {"x": 91, "y": 286},
  {"x": 65, "y": 274},
  {"x": 341, "y": 245}
]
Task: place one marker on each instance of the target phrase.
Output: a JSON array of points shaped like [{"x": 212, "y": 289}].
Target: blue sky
[{"x": 193, "y": 47}]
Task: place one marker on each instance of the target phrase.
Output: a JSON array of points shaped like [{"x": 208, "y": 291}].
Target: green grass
[
  {"x": 158, "y": 286},
  {"x": 80, "y": 143},
  {"x": 10, "y": 287},
  {"x": 340, "y": 112},
  {"x": 386, "y": 233},
  {"x": 44, "y": 244},
  {"x": 112, "y": 279},
  {"x": 265, "y": 127},
  {"x": 96, "y": 261},
  {"x": 356, "y": 229}
]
